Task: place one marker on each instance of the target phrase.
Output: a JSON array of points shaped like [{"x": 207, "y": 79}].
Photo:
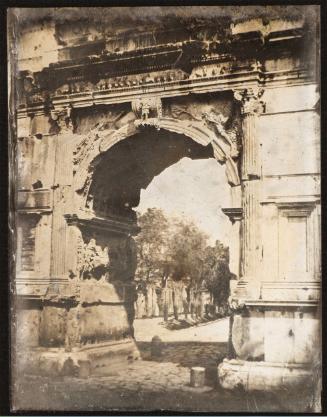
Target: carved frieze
[
  {"x": 237, "y": 305},
  {"x": 119, "y": 82},
  {"x": 211, "y": 70},
  {"x": 115, "y": 261}
]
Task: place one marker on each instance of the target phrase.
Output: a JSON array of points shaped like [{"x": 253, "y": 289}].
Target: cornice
[
  {"x": 218, "y": 83},
  {"x": 103, "y": 225},
  {"x": 233, "y": 213}
]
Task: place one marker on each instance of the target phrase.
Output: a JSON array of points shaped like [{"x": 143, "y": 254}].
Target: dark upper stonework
[{"x": 104, "y": 54}]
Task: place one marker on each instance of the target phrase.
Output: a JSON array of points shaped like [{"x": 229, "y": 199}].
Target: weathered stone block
[
  {"x": 262, "y": 376},
  {"x": 248, "y": 335},
  {"x": 28, "y": 326}
]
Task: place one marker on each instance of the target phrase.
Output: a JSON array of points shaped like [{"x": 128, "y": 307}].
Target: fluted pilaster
[
  {"x": 61, "y": 201},
  {"x": 251, "y": 108}
]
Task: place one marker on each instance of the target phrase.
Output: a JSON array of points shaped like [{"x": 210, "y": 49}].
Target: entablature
[
  {"x": 179, "y": 67},
  {"x": 173, "y": 88}
]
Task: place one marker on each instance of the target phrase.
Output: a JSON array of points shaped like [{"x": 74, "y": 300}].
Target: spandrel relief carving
[
  {"x": 104, "y": 257},
  {"x": 221, "y": 116},
  {"x": 230, "y": 135}
]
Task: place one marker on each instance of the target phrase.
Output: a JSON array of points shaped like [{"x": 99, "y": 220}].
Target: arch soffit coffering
[{"x": 101, "y": 142}]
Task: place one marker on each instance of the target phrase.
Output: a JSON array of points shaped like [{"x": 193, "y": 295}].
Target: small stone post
[
  {"x": 156, "y": 347},
  {"x": 197, "y": 377}
]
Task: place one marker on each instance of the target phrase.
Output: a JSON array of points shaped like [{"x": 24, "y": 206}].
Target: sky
[{"x": 195, "y": 189}]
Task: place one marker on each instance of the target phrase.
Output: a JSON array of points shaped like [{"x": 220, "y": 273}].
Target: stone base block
[
  {"x": 262, "y": 376},
  {"x": 98, "y": 359}
]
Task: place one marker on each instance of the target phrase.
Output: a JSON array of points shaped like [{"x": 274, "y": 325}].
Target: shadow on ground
[
  {"x": 151, "y": 384},
  {"x": 187, "y": 354},
  {"x": 101, "y": 394},
  {"x": 186, "y": 323}
]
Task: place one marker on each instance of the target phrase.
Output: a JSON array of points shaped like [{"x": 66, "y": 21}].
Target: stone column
[
  {"x": 251, "y": 108},
  {"x": 56, "y": 305},
  {"x": 246, "y": 332},
  {"x": 61, "y": 190}
]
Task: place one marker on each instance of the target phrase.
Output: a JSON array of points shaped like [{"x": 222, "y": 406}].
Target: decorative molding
[
  {"x": 305, "y": 285},
  {"x": 233, "y": 213},
  {"x": 173, "y": 88},
  {"x": 103, "y": 225},
  {"x": 279, "y": 304},
  {"x": 296, "y": 200},
  {"x": 296, "y": 208},
  {"x": 37, "y": 200}
]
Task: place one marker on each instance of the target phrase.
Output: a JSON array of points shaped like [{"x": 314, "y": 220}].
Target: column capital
[
  {"x": 62, "y": 117},
  {"x": 233, "y": 213},
  {"x": 250, "y": 100}
]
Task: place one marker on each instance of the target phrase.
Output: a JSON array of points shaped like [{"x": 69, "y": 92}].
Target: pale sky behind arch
[{"x": 195, "y": 189}]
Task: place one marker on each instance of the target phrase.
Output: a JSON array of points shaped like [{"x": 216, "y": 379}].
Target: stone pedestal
[
  {"x": 86, "y": 322},
  {"x": 94, "y": 359},
  {"x": 85, "y": 327},
  {"x": 263, "y": 375}
]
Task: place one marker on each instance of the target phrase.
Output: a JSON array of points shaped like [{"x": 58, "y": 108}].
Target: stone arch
[{"x": 99, "y": 142}]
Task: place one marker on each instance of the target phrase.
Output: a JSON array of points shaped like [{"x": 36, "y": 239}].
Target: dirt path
[
  {"x": 215, "y": 331},
  {"x": 154, "y": 383}
]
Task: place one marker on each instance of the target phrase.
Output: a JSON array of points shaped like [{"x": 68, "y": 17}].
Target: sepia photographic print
[{"x": 165, "y": 174}]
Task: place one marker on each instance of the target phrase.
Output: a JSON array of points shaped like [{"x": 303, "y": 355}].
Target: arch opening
[
  {"x": 107, "y": 253},
  {"x": 130, "y": 166}
]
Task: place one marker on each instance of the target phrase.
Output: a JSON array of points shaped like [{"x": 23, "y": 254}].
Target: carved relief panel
[
  {"x": 101, "y": 254},
  {"x": 220, "y": 114}
]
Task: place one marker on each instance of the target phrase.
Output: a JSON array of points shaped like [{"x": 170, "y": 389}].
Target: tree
[
  {"x": 216, "y": 273},
  {"x": 176, "y": 249},
  {"x": 151, "y": 244},
  {"x": 187, "y": 247},
  {"x": 186, "y": 251}
]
